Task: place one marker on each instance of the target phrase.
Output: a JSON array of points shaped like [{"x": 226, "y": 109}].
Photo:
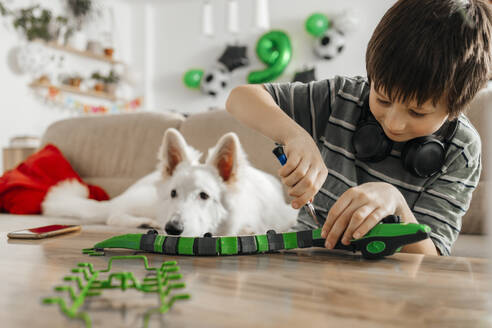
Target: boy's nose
[{"x": 394, "y": 122}]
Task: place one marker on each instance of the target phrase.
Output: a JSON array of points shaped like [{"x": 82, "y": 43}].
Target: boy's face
[{"x": 402, "y": 122}]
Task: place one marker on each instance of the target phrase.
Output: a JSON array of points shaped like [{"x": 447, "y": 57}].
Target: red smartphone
[{"x": 43, "y": 232}]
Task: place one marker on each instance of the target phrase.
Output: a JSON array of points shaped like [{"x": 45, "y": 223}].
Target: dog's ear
[
  {"x": 173, "y": 151},
  {"x": 226, "y": 156}
]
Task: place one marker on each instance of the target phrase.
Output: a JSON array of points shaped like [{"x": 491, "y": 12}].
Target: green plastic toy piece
[
  {"x": 89, "y": 285},
  {"x": 228, "y": 245},
  {"x": 383, "y": 240},
  {"x": 262, "y": 242}
]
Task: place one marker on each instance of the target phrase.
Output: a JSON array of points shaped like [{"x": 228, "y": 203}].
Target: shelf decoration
[{"x": 56, "y": 97}]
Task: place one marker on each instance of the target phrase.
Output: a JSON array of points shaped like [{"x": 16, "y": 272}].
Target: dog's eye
[
  {"x": 204, "y": 195},
  {"x": 174, "y": 193}
]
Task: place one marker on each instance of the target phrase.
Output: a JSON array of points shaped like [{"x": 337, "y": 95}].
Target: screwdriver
[{"x": 279, "y": 153}]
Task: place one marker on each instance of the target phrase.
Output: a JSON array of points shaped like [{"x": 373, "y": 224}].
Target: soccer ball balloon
[
  {"x": 215, "y": 80},
  {"x": 330, "y": 44}
]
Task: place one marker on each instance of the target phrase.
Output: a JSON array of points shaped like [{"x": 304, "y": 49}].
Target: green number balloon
[
  {"x": 317, "y": 24},
  {"x": 274, "y": 50},
  {"x": 192, "y": 78}
]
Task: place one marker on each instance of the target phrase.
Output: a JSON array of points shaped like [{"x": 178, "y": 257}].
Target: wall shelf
[
  {"x": 70, "y": 89},
  {"x": 81, "y": 53}
]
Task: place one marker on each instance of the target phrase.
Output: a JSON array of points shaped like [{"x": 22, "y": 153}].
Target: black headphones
[{"x": 423, "y": 156}]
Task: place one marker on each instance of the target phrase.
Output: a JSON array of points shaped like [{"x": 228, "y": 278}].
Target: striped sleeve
[
  {"x": 306, "y": 103},
  {"x": 443, "y": 203}
]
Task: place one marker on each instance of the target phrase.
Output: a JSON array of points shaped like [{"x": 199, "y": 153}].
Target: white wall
[
  {"x": 179, "y": 44},
  {"x": 175, "y": 44}
]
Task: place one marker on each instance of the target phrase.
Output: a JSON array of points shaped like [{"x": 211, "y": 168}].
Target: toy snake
[{"x": 383, "y": 240}]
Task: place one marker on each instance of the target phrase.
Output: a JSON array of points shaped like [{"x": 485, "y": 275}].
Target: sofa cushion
[
  {"x": 203, "y": 130},
  {"x": 471, "y": 246},
  {"x": 112, "y": 147},
  {"x": 479, "y": 115}
]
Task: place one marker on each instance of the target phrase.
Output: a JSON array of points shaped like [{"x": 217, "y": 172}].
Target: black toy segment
[
  {"x": 305, "y": 239},
  {"x": 247, "y": 245},
  {"x": 170, "y": 245},
  {"x": 205, "y": 246},
  {"x": 350, "y": 247},
  {"x": 147, "y": 242},
  {"x": 320, "y": 242},
  {"x": 391, "y": 219},
  {"x": 275, "y": 241}
]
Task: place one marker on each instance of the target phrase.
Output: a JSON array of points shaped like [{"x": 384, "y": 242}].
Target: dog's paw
[
  {"x": 246, "y": 231},
  {"x": 130, "y": 221},
  {"x": 147, "y": 226}
]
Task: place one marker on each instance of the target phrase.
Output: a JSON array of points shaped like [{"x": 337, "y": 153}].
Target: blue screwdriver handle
[{"x": 279, "y": 152}]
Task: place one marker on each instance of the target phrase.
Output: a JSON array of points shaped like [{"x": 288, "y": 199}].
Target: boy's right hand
[{"x": 305, "y": 171}]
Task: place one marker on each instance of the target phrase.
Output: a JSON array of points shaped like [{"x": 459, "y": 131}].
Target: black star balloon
[
  {"x": 305, "y": 76},
  {"x": 234, "y": 57}
]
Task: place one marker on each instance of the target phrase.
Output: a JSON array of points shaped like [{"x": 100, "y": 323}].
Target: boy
[{"x": 354, "y": 139}]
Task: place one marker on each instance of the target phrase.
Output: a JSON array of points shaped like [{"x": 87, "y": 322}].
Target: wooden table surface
[{"x": 301, "y": 288}]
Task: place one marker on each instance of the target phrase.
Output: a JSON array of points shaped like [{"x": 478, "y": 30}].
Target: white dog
[{"x": 224, "y": 196}]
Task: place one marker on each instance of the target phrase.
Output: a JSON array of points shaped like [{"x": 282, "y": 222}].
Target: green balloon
[
  {"x": 192, "y": 78},
  {"x": 317, "y": 24},
  {"x": 275, "y": 51}
]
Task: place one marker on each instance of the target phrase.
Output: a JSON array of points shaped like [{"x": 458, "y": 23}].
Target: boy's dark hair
[{"x": 432, "y": 50}]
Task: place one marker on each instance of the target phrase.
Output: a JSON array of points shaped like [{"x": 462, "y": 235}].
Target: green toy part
[
  {"x": 383, "y": 240},
  {"x": 89, "y": 284},
  {"x": 275, "y": 51},
  {"x": 316, "y": 24},
  {"x": 192, "y": 78}
]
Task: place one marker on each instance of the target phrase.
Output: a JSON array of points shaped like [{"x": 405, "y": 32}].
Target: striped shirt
[{"x": 330, "y": 111}]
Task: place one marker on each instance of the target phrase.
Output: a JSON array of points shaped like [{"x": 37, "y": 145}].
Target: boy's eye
[
  {"x": 416, "y": 114},
  {"x": 383, "y": 102}
]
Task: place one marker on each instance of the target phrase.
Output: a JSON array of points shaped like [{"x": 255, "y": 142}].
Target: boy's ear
[
  {"x": 226, "y": 156},
  {"x": 172, "y": 152}
]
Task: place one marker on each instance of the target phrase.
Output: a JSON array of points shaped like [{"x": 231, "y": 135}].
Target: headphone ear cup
[
  {"x": 423, "y": 156},
  {"x": 370, "y": 143}
]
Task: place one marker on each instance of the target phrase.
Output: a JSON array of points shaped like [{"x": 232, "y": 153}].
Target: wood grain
[{"x": 301, "y": 288}]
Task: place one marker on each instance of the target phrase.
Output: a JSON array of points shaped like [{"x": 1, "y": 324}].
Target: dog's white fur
[{"x": 224, "y": 196}]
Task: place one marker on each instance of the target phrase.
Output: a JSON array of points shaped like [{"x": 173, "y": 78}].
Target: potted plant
[
  {"x": 106, "y": 83},
  {"x": 108, "y": 52},
  {"x": 44, "y": 79},
  {"x": 95, "y": 47},
  {"x": 80, "y": 11},
  {"x": 34, "y": 22},
  {"x": 99, "y": 84},
  {"x": 60, "y": 29},
  {"x": 73, "y": 80},
  {"x": 111, "y": 82}
]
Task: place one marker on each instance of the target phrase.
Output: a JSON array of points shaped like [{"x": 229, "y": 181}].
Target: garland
[{"x": 56, "y": 97}]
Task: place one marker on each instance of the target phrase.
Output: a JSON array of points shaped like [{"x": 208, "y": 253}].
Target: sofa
[{"x": 113, "y": 151}]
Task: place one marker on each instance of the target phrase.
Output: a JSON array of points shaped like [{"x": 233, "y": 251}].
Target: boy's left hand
[{"x": 359, "y": 209}]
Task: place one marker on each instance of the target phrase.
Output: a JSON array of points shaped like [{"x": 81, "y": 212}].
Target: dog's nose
[{"x": 174, "y": 228}]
